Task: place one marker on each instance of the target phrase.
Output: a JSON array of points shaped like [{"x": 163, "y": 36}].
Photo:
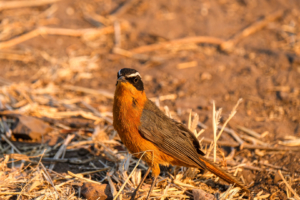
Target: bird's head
[{"x": 130, "y": 83}]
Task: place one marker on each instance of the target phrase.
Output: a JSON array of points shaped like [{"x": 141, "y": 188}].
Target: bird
[{"x": 151, "y": 135}]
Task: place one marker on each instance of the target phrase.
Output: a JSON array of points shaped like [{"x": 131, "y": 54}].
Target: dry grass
[
  {"x": 33, "y": 179},
  {"x": 46, "y": 109}
]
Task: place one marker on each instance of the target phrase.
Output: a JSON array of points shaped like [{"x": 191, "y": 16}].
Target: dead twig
[
  {"x": 233, "y": 134},
  {"x": 48, "y": 178},
  {"x": 11, "y": 144},
  {"x": 232, "y": 113},
  {"x": 185, "y": 65},
  {"x": 201, "y": 125},
  {"x": 43, "y": 31},
  {"x": 142, "y": 57},
  {"x": 123, "y": 8},
  {"x": 215, "y": 121},
  {"x": 4, "y": 81},
  {"x": 249, "y": 131},
  {"x": 274, "y": 166},
  {"x": 164, "y": 97},
  {"x": 224, "y": 45},
  {"x": 62, "y": 149},
  {"x": 79, "y": 176},
  {"x": 117, "y": 34},
  {"x": 89, "y": 91},
  {"x": 87, "y": 34},
  {"x": 253, "y": 140},
  {"x": 164, "y": 45},
  {"x": 111, "y": 184},
  {"x": 96, "y": 112},
  {"x": 92, "y": 172},
  {"x": 21, "y": 4},
  {"x": 250, "y": 146},
  {"x": 256, "y": 26},
  {"x": 295, "y": 142},
  {"x": 93, "y": 18},
  {"x": 19, "y": 57},
  {"x": 287, "y": 185}
]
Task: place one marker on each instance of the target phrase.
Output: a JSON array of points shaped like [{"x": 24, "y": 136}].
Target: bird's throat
[{"x": 128, "y": 106}]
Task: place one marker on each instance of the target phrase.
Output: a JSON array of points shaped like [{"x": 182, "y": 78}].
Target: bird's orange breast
[{"x": 127, "y": 111}]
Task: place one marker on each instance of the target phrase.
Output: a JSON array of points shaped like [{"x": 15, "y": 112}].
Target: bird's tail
[{"x": 214, "y": 168}]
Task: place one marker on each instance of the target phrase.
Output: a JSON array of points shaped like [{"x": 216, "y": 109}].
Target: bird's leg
[
  {"x": 152, "y": 186},
  {"x": 139, "y": 186}
]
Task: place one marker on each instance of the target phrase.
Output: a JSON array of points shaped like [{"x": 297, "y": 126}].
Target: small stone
[
  {"x": 206, "y": 76},
  {"x": 202, "y": 195},
  {"x": 92, "y": 191},
  {"x": 70, "y": 11},
  {"x": 221, "y": 68},
  {"x": 277, "y": 178}
]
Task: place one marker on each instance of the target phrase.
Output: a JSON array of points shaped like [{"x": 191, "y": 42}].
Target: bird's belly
[{"x": 142, "y": 148}]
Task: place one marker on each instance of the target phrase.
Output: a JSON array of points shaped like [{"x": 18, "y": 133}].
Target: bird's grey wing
[
  {"x": 170, "y": 136},
  {"x": 191, "y": 137}
]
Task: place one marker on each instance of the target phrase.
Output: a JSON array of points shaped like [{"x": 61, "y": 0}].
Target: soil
[{"x": 263, "y": 68}]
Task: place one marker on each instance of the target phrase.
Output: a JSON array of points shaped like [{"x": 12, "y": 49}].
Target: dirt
[{"x": 263, "y": 68}]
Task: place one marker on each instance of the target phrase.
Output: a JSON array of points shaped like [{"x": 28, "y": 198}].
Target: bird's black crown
[{"x": 133, "y": 77}]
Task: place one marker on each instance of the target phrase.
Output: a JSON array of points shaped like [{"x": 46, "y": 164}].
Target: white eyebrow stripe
[{"x": 132, "y": 75}]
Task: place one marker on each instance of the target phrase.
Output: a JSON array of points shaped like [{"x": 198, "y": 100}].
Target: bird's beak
[{"x": 121, "y": 79}]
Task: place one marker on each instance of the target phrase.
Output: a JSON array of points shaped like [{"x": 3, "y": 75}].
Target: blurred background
[
  {"x": 263, "y": 68},
  {"x": 59, "y": 58}
]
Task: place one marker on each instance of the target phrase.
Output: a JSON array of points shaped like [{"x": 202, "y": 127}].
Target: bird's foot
[{"x": 133, "y": 195}]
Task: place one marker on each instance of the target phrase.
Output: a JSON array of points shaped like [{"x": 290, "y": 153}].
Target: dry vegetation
[{"x": 57, "y": 139}]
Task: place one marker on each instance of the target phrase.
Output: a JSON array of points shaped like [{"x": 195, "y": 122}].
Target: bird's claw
[{"x": 133, "y": 195}]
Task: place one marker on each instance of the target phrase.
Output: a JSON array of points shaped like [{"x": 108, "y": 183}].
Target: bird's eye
[{"x": 135, "y": 80}]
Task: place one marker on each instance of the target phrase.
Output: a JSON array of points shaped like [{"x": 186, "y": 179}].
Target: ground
[{"x": 263, "y": 68}]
